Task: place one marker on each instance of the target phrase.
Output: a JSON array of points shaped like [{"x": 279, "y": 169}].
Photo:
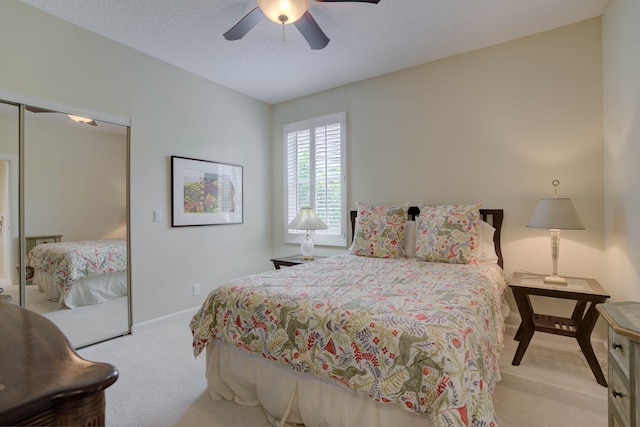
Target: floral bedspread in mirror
[{"x": 68, "y": 261}]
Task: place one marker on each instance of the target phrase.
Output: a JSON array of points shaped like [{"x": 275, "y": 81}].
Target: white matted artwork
[{"x": 205, "y": 192}]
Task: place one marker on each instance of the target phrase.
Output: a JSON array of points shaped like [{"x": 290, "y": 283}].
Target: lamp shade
[
  {"x": 307, "y": 220},
  {"x": 555, "y": 213},
  {"x": 283, "y": 11}
]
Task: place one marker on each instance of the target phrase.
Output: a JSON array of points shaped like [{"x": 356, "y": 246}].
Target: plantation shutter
[{"x": 315, "y": 171}]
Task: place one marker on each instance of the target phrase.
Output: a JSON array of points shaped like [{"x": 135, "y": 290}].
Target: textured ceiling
[{"x": 367, "y": 40}]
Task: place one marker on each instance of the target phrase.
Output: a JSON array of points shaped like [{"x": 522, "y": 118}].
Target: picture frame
[{"x": 205, "y": 192}]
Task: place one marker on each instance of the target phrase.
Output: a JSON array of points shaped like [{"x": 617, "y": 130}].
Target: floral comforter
[
  {"x": 68, "y": 261},
  {"x": 423, "y": 335}
]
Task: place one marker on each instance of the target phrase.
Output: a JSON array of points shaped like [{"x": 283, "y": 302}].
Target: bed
[
  {"x": 80, "y": 273},
  {"x": 365, "y": 340}
]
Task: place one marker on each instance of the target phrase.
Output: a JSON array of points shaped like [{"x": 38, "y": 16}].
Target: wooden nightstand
[
  {"x": 579, "y": 325},
  {"x": 624, "y": 362},
  {"x": 288, "y": 261},
  {"x": 33, "y": 241}
]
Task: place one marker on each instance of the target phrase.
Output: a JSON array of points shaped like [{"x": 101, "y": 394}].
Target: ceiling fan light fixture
[{"x": 283, "y": 11}]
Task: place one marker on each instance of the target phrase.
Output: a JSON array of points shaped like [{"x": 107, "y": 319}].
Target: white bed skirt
[
  {"x": 86, "y": 291},
  {"x": 290, "y": 398}
]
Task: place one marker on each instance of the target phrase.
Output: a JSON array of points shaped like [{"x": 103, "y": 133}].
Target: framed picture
[{"x": 205, "y": 192}]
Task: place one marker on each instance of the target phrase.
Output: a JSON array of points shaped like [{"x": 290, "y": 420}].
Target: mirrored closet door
[
  {"x": 75, "y": 224},
  {"x": 9, "y": 218}
]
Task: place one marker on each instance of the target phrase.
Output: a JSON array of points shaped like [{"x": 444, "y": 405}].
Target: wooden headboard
[{"x": 491, "y": 216}]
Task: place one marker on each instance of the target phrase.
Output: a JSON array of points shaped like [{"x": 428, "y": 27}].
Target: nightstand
[
  {"x": 579, "y": 326},
  {"x": 624, "y": 361},
  {"x": 33, "y": 241},
  {"x": 288, "y": 261}
]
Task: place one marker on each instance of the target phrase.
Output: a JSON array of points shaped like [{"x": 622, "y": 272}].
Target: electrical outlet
[
  {"x": 196, "y": 289},
  {"x": 157, "y": 215}
]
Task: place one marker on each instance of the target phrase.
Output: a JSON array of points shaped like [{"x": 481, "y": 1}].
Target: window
[{"x": 315, "y": 172}]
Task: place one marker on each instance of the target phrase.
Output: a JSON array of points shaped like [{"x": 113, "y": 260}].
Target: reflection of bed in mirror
[{"x": 80, "y": 273}]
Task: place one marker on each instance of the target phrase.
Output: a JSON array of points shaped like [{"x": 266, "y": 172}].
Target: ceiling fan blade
[
  {"x": 245, "y": 25},
  {"x": 311, "y": 31},
  {"x": 348, "y": 1},
  {"x": 92, "y": 123},
  {"x": 38, "y": 109}
]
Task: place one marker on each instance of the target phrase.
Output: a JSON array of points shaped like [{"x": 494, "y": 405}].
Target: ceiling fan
[
  {"x": 287, "y": 12},
  {"x": 73, "y": 117}
]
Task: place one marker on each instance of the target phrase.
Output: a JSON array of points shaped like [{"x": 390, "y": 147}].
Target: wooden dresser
[
  {"x": 43, "y": 381},
  {"x": 624, "y": 362}
]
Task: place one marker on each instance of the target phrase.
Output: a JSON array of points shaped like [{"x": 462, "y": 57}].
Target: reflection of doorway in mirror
[
  {"x": 8, "y": 205},
  {"x": 9, "y": 230},
  {"x": 5, "y": 243},
  {"x": 9, "y": 279}
]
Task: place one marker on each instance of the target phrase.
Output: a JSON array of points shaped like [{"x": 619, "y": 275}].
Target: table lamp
[
  {"x": 307, "y": 220},
  {"x": 555, "y": 214}
]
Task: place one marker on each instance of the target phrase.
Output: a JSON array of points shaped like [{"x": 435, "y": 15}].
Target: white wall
[
  {"x": 519, "y": 114},
  {"x": 621, "y": 43},
  {"x": 75, "y": 180},
  {"x": 497, "y": 124},
  {"x": 172, "y": 113}
]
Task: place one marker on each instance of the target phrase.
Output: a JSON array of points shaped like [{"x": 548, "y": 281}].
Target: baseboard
[{"x": 163, "y": 320}]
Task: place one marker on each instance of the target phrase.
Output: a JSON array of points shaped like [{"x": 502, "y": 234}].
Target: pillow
[
  {"x": 380, "y": 231},
  {"x": 487, "y": 250},
  {"x": 448, "y": 233},
  {"x": 410, "y": 239}
]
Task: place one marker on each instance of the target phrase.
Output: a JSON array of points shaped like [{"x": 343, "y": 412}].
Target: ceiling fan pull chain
[{"x": 283, "y": 32}]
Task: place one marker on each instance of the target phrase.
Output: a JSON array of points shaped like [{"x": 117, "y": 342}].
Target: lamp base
[
  {"x": 306, "y": 247},
  {"x": 555, "y": 280},
  {"x": 307, "y": 257}
]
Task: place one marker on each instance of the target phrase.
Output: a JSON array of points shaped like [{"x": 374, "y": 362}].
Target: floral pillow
[
  {"x": 380, "y": 231},
  {"x": 448, "y": 233}
]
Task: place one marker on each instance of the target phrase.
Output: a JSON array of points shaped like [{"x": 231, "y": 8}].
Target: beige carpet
[
  {"x": 161, "y": 384},
  {"x": 553, "y": 386},
  {"x": 83, "y": 325}
]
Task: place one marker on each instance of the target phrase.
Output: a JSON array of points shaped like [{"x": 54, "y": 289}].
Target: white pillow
[
  {"x": 410, "y": 239},
  {"x": 487, "y": 249}
]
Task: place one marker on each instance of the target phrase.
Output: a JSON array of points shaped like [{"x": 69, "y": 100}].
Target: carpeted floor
[
  {"x": 83, "y": 325},
  {"x": 161, "y": 384}
]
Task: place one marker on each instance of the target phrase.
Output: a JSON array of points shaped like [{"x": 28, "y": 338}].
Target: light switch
[{"x": 157, "y": 215}]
